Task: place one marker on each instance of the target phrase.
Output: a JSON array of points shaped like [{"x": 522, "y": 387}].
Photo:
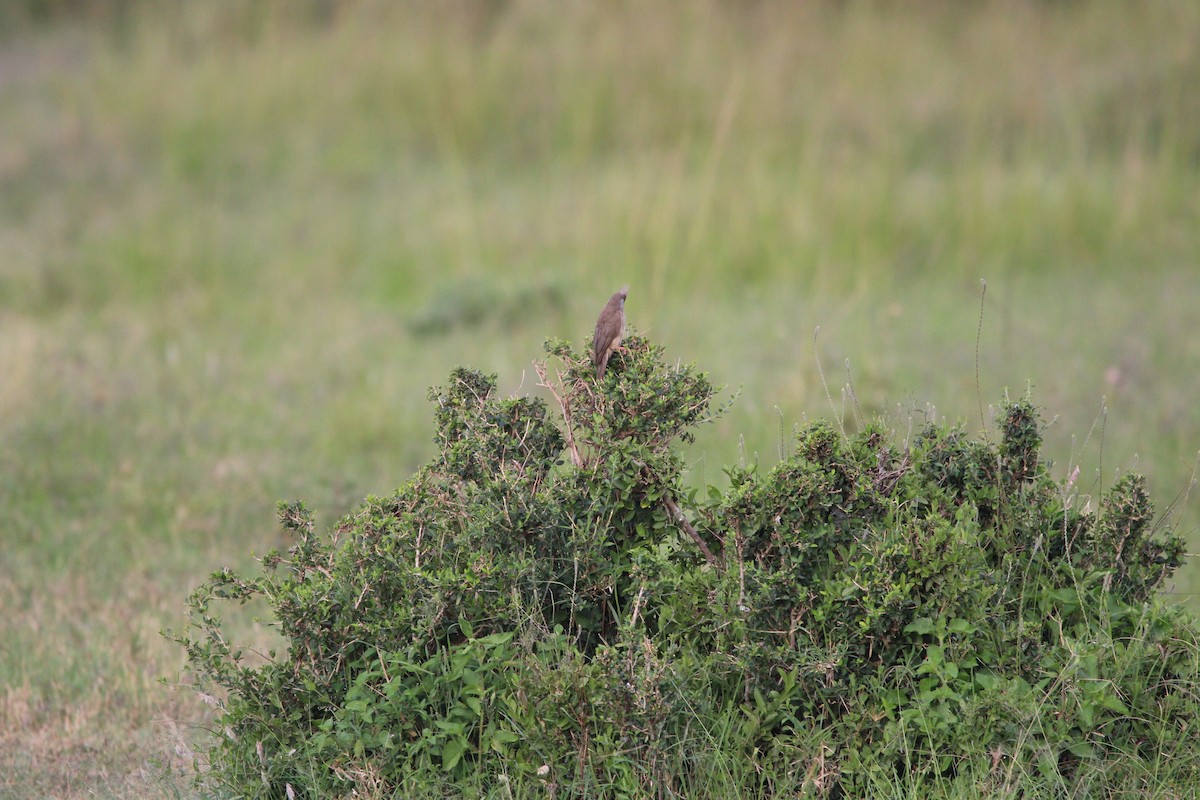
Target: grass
[{"x": 237, "y": 244}]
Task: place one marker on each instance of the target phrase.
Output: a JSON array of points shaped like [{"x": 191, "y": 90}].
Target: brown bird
[{"x": 609, "y": 330}]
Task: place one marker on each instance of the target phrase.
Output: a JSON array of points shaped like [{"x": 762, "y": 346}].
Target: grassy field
[{"x": 238, "y": 242}]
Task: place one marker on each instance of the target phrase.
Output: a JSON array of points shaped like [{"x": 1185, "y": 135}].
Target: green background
[{"x": 239, "y": 241}]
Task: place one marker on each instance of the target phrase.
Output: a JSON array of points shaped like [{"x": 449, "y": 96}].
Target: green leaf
[
  {"x": 452, "y": 753},
  {"x": 986, "y": 681},
  {"x": 1113, "y": 703},
  {"x": 934, "y": 655},
  {"x": 496, "y": 639},
  {"x": 1082, "y": 749},
  {"x": 1064, "y": 595},
  {"x": 506, "y": 737},
  {"x": 893, "y": 698}
]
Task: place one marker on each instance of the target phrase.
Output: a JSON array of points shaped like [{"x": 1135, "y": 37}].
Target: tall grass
[{"x": 237, "y": 241}]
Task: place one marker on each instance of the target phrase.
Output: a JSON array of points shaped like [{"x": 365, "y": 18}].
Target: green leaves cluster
[{"x": 545, "y": 604}]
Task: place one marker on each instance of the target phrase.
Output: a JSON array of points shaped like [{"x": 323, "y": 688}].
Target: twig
[
  {"x": 978, "y": 336},
  {"x": 540, "y": 368},
  {"x": 840, "y": 418},
  {"x": 675, "y": 512},
  {"x": 637, "y": 606}
]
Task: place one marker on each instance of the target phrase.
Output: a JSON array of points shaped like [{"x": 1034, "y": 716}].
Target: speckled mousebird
[{"x": 609, "y": 330}]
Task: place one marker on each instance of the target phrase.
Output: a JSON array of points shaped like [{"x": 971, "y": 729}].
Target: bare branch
[
  {"x": 540, "y": 368},
  {"x": 677, "y": 514}
]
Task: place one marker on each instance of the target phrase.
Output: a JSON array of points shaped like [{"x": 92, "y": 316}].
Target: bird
[{"x": 609, "y": 330}]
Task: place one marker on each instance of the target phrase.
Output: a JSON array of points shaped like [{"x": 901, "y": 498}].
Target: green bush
[{"x": 546, "y": 610}]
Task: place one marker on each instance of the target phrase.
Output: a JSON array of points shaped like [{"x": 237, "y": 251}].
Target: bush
[{"x": 546, "y": 609}]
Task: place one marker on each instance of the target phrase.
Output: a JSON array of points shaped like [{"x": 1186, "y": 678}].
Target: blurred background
[{"x": 239, "y": 241}]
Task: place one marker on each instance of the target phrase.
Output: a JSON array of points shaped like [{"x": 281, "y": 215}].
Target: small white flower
[{"x": 543, "y": 770}]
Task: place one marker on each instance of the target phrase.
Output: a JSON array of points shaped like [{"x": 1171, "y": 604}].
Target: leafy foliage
[{"x": 549, "y": 607}]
